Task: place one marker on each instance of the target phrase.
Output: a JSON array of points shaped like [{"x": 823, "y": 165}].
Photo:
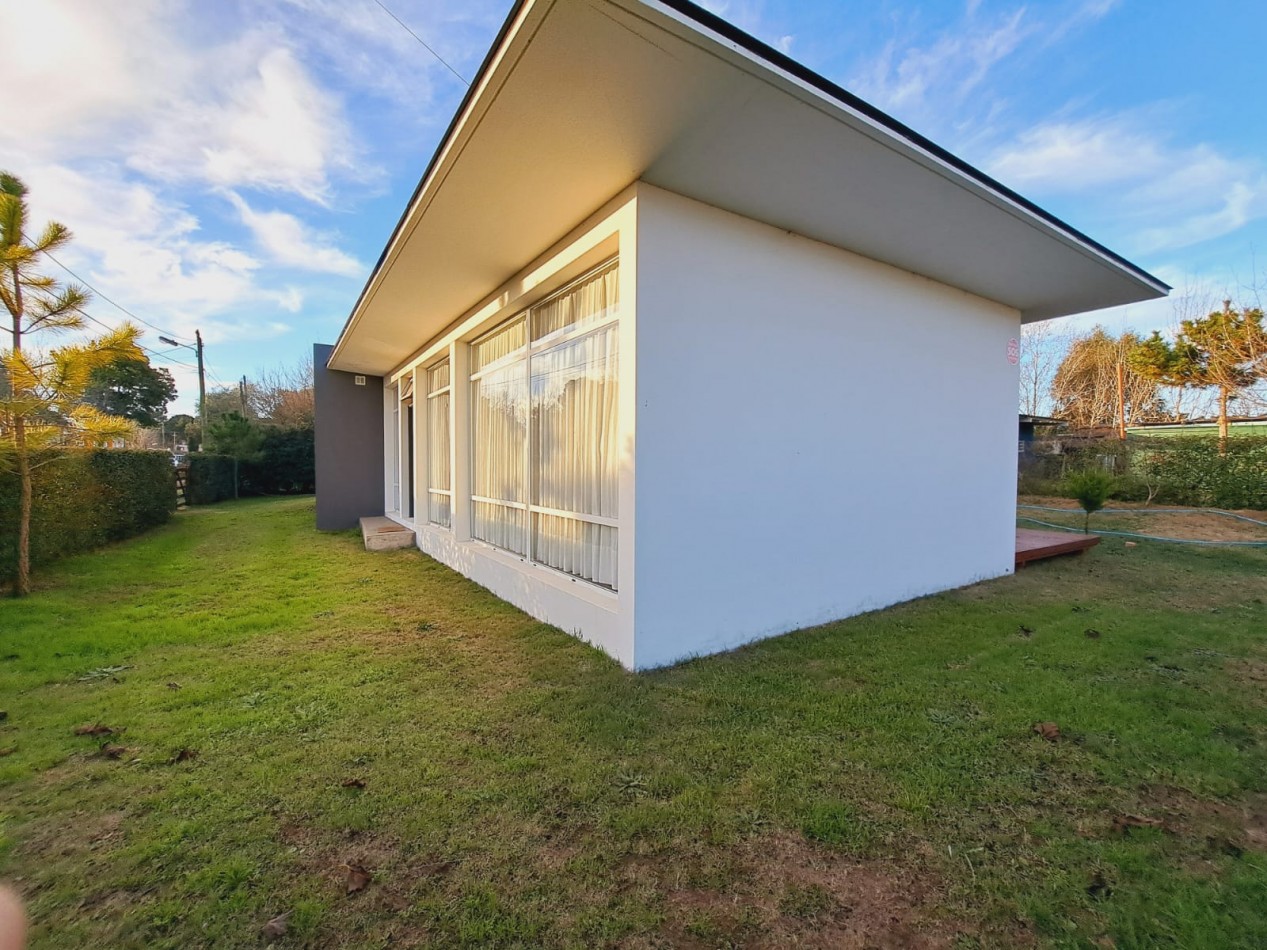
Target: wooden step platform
[
  {"x": 383, "y": 534},
  {"x": 1036, "y": 545}
]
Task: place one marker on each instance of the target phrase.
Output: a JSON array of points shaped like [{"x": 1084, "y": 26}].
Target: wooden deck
[{"x": 1037, "y": 545}]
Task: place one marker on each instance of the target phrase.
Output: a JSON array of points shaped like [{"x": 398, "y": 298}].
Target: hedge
[
  {"x": 210, "y": 478},
  {"x": 286, "y": 464},
  {"x": 1187, "y": 470},
  {"x": 82, "y": 499},
  {"x": 1193, "y": 471}
]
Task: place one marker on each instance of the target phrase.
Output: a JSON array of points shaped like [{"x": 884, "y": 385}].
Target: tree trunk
[
  {"x": 22, "y": 585},
  {"x": 1223, "y": 426}
]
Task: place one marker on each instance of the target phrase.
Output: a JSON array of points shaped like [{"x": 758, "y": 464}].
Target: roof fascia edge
[
  {"x": 747, "y": 45},
  {"x": 518, "y": 13}
]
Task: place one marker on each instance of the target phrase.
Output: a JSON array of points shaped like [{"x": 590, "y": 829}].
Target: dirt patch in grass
[
  {"x": 1227, "y": 826},
  {"x": 788, "y": 892}
]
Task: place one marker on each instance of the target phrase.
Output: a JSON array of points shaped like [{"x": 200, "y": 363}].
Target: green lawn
[{"x": 873, "y": 782}]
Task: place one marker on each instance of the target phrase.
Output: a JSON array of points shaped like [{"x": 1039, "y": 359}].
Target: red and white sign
[{"x": 1013, "y": 351}]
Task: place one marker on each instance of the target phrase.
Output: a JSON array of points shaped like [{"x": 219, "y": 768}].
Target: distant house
[
  {"x": 632, "y": 357},
  {"x": 1028, "y": 429},
  {"x": 1245, "y": 425}
]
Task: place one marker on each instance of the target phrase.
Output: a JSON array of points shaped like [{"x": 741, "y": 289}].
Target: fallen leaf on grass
[
  {"x": 1048, "y": 730},
  {"x": 96, "y": 730},
  {"x": 113, "y": 751},
  {"x": 358, "y": 878},
  {"x": 1124, "y": 823},
  {"x": 352, "y": 783},
  {"x": 184, "y": 755},
  {"x": 9, "y": 751},
  {"x": 1092, "y": 633},
  {"x": 278, "y": 925},
  {"x": 173, "y": 686}
]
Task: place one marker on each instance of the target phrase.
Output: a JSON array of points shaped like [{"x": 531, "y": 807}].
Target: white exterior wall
[{"x": 818, "y": 434}]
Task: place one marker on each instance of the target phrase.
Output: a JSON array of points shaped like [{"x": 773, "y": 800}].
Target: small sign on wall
[
  {"x": 1013, "y": 351},
  {"x": 359, "y": 380}
]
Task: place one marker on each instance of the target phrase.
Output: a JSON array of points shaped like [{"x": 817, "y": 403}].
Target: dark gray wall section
[{"x": 349, "y": 444}]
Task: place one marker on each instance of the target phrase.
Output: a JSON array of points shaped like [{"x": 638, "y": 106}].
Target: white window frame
[{"x": 559, "y": 337}]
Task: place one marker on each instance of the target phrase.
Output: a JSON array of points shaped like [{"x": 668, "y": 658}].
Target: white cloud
[
  {"x": 1163, "y": 196},
  {"x": 907, "y": 78},
  {"x": 1076, "y": 155},
  {"x": 293, "y": 244},
  {"x": 169, "y": 100},
  {"x": 273, "y": 129}
]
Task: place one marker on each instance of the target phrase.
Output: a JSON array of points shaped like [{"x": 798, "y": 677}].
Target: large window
[
  {"x": 439, "y": 487},
  {"x": 543, "y": 418}
]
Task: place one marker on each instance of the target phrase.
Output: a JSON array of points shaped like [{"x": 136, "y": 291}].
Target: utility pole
[
  {"x": 202, "y": 379},
  {"x": 242, "y": 395},
  {"x": 202, "y": 389},
  {"x": 1121, "y": 400}
]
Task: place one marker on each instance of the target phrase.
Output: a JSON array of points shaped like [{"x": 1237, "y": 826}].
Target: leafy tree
[
  {"x": 42, "y": 402},
  {"x": 234, "y": 434},
  {"x": 1226, "y": 350},
  {"x": 184, "y": 428},
  {"x": 1174, "y": 365},
  {"x": 1097, "y": 385},
  {"x": 132, "y": 389}
]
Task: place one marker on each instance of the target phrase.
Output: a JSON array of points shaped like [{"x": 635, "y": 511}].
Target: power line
[
  {"x": 107, "y": 299},
  {"x": 163, "y": 355},
  {"x": 423, "y": 42}
]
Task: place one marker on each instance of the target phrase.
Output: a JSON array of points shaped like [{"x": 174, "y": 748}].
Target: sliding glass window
[{"x": 545, "y": 462}]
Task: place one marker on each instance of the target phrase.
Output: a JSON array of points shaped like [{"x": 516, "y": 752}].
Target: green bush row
[
  {"x": 210, "y": 478},
  {"x": 1188, "y": 470},
  {"x": 285, "y": 464},
  {"x": 82, "y": 499},
  {"x": 1193, "y": 471}
]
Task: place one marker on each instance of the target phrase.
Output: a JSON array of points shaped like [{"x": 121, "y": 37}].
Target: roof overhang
[{"x": 580, "y": 98}]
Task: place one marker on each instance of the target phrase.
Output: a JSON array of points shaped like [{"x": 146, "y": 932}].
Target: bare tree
[
  {"x": 1095, "y": 385},
  {"x": 1043, "y": 348}
]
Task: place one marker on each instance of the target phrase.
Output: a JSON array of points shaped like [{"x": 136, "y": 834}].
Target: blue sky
[{"x": 236, "y": 167}]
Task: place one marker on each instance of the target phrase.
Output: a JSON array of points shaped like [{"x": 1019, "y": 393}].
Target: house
[
  {"x": 631, "y": 356},
  {"x": 1243, "y": 425}
]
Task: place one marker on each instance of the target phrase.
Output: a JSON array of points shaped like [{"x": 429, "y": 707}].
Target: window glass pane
[
  {"x": 587, "y": 302},
  {"x": 499, "y": 525},
  {"x": 579, "y": 548},
  {"x": 574, "y": 411},
  {"x": 438, "y": 376},
  {"x": 498, "y": 344},
  {"x": 438, "y": 452},
  {"x": 439, "y": 510}
]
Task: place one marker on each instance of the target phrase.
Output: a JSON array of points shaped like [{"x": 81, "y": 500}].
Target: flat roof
[{"x": 577, "y": 99}]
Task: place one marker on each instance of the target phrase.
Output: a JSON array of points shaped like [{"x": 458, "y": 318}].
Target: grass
[{"x": 875, "y": 781}]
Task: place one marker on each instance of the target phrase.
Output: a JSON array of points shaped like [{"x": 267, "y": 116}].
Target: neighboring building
[
  {"x": 1246, "y": 425},
  {"x": 634, "y": 356},
  {"x": 1027, "y": 430}
]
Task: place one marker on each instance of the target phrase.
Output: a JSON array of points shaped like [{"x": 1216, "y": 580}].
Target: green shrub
[
  {"x": 82, "y": 499},
  {"x": 1091, "y": 488},
  {"x": 285, "y": 464},
  {"x": 210, "y": 478}
]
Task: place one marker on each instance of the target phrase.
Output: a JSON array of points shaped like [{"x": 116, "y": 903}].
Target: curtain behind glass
[{"x": 499, "y": 433}]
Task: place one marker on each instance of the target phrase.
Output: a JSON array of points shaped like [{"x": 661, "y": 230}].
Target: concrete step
[{"x": 383, "y": 534}]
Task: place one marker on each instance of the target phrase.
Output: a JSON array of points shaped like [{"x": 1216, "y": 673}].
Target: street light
[{"x": 202, "y": 377}]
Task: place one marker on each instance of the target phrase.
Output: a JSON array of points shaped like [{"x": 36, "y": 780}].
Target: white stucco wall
[{"x": 818, "y": 434}]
